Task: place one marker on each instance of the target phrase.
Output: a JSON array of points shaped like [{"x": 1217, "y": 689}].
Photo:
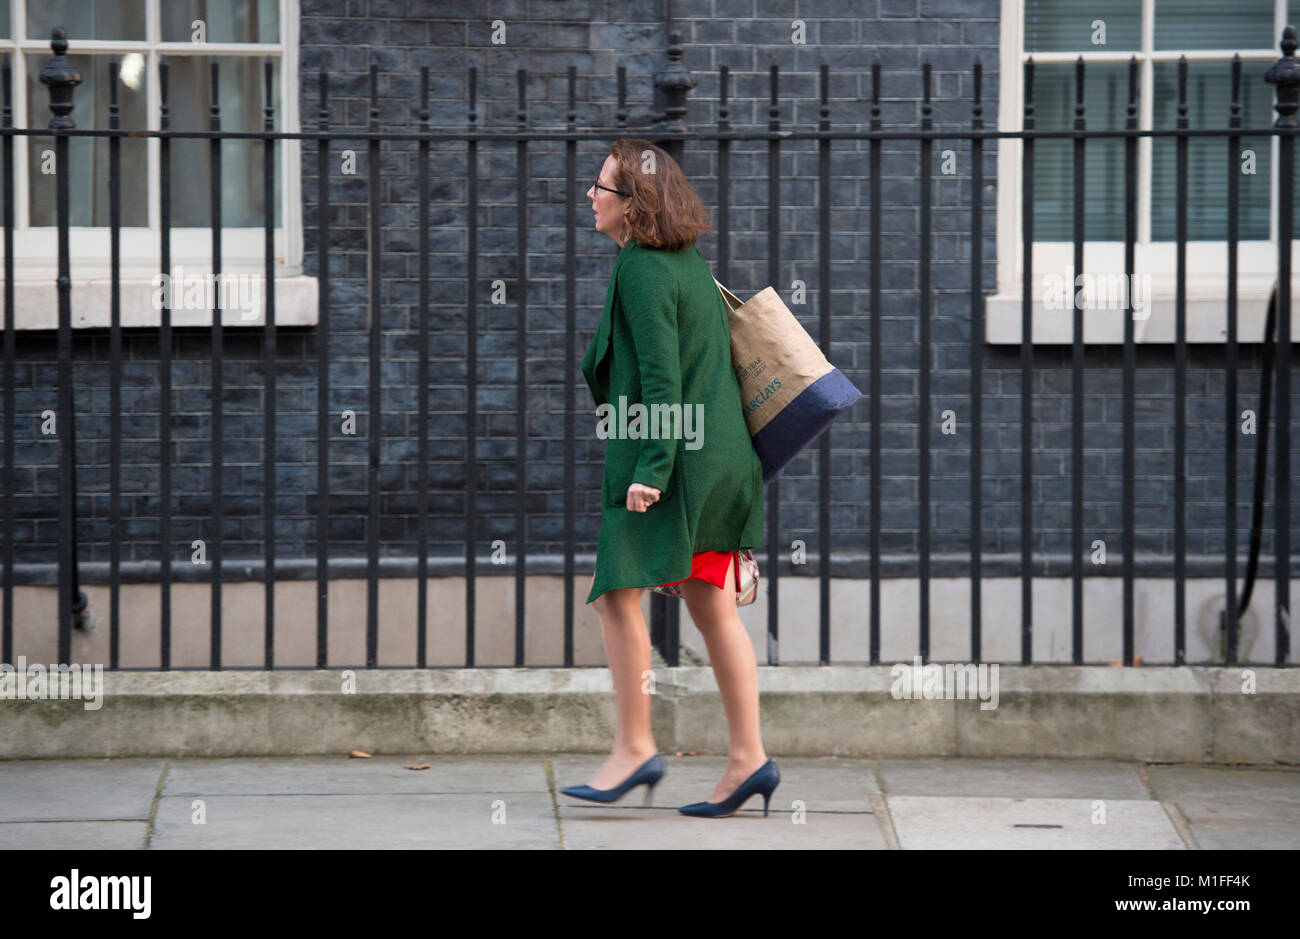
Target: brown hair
[{"x": 665, "y": 211}]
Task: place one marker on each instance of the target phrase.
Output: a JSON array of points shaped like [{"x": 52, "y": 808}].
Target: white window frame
[
  {"x": 1207, "y": 263},
  {"x": 36, "y": 248}
]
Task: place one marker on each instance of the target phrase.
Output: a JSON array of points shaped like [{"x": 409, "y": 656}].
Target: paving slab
[
  {"x": 943, "y": 822},
  {"x": 341, "y": 775},
  {"x": 462, "y": 821},
  {"x": 821, "y": 802},
  {"x": 1246, "y": 836},
  {"x": 1016, "y": 778},
  {"x": 822, "y": 784},
  {"x": 1220, "y": 793},
  {"x": 605, "y": 827},
  {"x": 73, "y": 836},
  {"x": 67, "y": 790},
  {"x": 1248, "y": 807}
]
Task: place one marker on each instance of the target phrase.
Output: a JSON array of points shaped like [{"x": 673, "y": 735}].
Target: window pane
[
  {"x": 1209, "y": 95},
  {"x": 86, "y": 19},
  {"x": 1071, "y": 26},
  {"x": 88, "y": 176},
  {"x": 1214, "y": 24},
  {"x": 5, "y": 14},
  {"x": 222, "y": 20},
  {"x": 241, "y": 97},
  {"x": 1105, "y": 91}
]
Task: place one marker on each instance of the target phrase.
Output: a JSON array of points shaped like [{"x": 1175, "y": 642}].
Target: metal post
[
  {"x": 1286, "y": 75},
  {"x": 671, "y": 87},
  {"x": 62, "y": 77}
]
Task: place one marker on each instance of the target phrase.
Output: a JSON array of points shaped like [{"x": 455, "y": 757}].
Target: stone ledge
[
  {"x": 37, "y": 302},
  {"x": 1162, "y": 714}
]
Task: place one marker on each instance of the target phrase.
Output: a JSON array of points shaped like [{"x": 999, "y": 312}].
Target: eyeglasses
[{"x": 597, "y": 185}]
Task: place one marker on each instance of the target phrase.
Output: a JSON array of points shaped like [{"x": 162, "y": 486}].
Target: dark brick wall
[{"x": 545, "y": 37}]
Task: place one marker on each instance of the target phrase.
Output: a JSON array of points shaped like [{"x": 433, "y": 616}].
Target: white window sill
[
  {"x": 37, "y": 304},
  {"x": 1206, "y": 320}
]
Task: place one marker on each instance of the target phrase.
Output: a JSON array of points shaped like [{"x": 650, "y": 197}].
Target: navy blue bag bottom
[{"x": 802, "y": 420}]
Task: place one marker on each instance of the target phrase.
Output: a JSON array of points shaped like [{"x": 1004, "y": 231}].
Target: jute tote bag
[{"x": 789, "y": 391}]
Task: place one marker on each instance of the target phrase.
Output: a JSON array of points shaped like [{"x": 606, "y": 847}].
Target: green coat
[{"x": 665, "y": 338}]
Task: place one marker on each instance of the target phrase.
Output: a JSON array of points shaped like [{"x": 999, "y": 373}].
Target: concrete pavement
[{"x": 512, "y": 801}]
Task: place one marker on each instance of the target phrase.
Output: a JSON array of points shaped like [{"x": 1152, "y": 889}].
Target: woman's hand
[{"x": 640, "y": 497}]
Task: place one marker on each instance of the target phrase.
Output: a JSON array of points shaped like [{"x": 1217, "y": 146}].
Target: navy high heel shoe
[
  {"x": 648, "y": 774},
  {"x": 764, "y": 780}
]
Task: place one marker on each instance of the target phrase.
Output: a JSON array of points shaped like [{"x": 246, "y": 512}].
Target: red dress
[{"x": 709, "y": 566}]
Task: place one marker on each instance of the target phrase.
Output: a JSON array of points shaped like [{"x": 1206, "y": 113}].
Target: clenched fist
[{"x": 640, "y": 497}]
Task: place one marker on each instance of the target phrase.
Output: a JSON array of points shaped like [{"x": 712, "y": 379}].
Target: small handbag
[{"x": 746, "y": 580}]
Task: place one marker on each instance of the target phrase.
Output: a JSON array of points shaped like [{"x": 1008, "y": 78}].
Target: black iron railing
[{"x": 672, "y": 85}]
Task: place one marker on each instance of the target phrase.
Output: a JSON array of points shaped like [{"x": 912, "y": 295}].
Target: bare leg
[
  {"x": 736, "y": 671},
  {"x": 627, "y": 649}
]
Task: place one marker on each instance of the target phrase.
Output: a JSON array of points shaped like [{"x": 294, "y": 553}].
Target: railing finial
[
  {"x": 62, "y": 77},
  {"x": 1285, "y": 73},
  {"x": 672, "y": 85}
]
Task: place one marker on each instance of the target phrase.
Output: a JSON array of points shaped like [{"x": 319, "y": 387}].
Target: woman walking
[{"x": 678, "y": 504}]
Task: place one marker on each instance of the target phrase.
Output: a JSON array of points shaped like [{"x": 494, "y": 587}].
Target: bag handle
[{"x": 733, "y": 302}]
